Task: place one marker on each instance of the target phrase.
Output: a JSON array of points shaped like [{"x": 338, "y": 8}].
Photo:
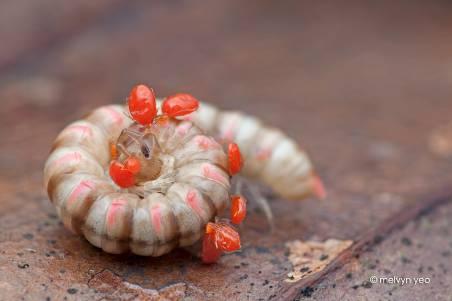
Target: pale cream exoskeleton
[{"x": 167, "y": 176}]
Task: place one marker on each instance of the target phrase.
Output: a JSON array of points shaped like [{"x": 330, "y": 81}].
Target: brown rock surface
[{"x": 360, "y": 85}]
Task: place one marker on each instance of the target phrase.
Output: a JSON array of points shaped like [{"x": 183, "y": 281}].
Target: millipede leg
[{"x": 262, "y": 203}]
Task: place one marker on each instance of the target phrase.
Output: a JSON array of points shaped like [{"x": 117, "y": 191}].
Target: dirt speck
[
  {"x": 307, "y": 292},
  {"x": 406, "y": 241},
  {"x": 366, "y": 284},
  {"x": 23, "y": 265},
  {"x": 28, "y": 236}
]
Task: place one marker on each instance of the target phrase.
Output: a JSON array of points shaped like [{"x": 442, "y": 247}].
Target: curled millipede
[{"x": 167, "y": 176}]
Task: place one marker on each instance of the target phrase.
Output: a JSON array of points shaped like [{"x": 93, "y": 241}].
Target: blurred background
[{"x": 361, "y": 85}]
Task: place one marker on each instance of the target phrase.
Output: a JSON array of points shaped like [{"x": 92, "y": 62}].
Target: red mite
[
  {"x": 238, "y": 209},
  {"x": 133, "y": 165},
  {"x": 219, "y": 237},
  {"x": 210, "y": 253},
  {"x": 235, "y": 159},
  {"x": 124, "y": 174},
  {"x": 179, "y": 105},
  {"x": 142, "y": 104}
]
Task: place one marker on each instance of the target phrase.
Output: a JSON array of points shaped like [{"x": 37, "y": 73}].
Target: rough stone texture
[
  {"x": 422, "y": 249},
  {"x": 360, "y": 85}
]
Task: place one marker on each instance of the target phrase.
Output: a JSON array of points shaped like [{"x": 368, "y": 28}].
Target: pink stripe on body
[
  {"x": 83, "y": 130},
  {"x": 83, "y": 188},
  {"x": 263, "y": 154},
  {"x": 156, "y": 218},
  {"x": 192, "y": 199},
  {"x": 73, "y": 157},
  {"x": 206, "y": 143},
  {"x": 114, "y": 115},
  {"x": 228, "y": 134},
  {"x": 183, "y": 129},
  {"x": 116, "y": 207},
  {"x": 210, "y": 173}
]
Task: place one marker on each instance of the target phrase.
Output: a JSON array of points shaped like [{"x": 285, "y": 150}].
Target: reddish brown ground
[{"x": 359, "y": 85}]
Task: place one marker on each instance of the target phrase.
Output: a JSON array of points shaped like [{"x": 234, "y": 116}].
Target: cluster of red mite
[{"x": 219, "y": 237}]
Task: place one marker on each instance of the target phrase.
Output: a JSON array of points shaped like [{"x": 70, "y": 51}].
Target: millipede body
[{"x": 155, "y": 175}]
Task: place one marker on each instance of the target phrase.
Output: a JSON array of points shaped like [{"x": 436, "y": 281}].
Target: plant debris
[{"x": 311, "y": 256}]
